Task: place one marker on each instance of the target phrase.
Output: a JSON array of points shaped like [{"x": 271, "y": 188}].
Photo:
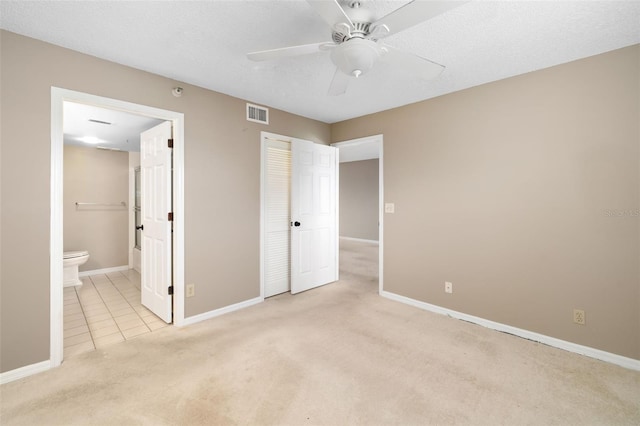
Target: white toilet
[{"x": 72, "y": 260}]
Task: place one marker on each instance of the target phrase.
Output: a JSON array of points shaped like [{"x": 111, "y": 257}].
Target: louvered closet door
[{"x": 277, "y": 210}]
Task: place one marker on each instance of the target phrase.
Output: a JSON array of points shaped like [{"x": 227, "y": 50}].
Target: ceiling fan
[{"x": 357, "y": 39}]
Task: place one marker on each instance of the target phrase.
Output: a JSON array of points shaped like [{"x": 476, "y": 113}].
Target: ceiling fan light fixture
[{"x": 355, "y": 56}]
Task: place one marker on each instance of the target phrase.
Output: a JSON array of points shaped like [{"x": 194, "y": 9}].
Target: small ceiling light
[
  {"x": 91, "y": 140},
  {"x": 355, "y": 56}
]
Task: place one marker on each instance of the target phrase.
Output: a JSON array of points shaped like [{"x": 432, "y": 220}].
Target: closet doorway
[{"x": 299, "y": 215}]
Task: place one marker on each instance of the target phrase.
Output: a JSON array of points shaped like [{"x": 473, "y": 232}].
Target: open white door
[
  {"x": 155, "y": 165},
  {"x": 314, "y": 215}
]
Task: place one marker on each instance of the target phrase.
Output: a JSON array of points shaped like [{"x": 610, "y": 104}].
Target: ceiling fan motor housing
[
  {"x": 355, "y": 56},
  {"x": 343, "y": 32}
]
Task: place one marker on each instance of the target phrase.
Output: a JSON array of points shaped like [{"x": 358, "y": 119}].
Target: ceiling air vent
[
  {"x": 99, "y": 122},
  {"x": 257, "y": 113}
]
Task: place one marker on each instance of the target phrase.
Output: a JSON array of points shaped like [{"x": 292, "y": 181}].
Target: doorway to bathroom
[
  {"x": 102, "y": 150},
  {"x": 111, "y": 286}
]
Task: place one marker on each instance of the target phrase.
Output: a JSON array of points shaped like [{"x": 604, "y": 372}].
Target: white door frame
[
  {"x": 58, "y": 97},
  {"x": 377, "y": 139}
]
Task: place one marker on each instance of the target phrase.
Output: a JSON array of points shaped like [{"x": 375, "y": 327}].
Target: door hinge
[
  {"x": 170, "y": 290},
  {"x": 170, "y": 216},
  {"x": 170, "y": 143}
]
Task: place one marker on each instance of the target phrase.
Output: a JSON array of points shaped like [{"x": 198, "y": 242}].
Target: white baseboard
[
  {"x": 104, "y": 271},
  {"x": 27, "y": 370},
  {"x": 361, "y": 240},
  {"x": 217, "y": 312},
  {"x": 630, "y": 363}
]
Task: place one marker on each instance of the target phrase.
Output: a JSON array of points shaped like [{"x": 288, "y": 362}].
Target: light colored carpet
[{"x": 336, "y": 355}]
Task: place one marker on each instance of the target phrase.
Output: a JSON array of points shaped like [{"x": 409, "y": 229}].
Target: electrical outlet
[
  {"x": 578, "y": 316},
  {"x": 191, "y": 290},
  {"x": 389, "y": 207},
  {"x": 448, "y": 287}
]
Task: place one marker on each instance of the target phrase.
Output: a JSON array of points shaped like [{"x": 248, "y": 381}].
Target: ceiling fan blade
[
  {"x": 286, "y": 52},
  {"x": 414, "y": 64},
  {"x": 339, "y": 83},
  {"x": 411, "y": 14},
  {"x": 330, "y": 11}
]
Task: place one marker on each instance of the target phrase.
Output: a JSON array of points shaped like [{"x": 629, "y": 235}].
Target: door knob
[
  {"x": 141, "y": 227},
  {"x": 296, "y": 223}
]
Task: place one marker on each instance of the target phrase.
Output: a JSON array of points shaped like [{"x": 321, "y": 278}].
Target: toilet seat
[{"x": 74, "y": 254}]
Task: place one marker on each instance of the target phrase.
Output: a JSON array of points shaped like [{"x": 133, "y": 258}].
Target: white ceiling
[
  {"x": 114, "y": 130},
  {"x": 363, "y": 149},
  {"x": 205, "y": 43}
]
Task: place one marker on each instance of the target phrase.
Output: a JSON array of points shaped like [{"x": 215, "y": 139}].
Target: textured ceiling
[{"x": 205, "y": 43}]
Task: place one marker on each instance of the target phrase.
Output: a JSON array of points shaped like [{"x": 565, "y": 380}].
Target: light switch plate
[{"x": 389, "y": 207}]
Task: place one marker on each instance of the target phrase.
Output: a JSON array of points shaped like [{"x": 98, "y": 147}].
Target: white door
[
  {"x": 277, "y": 209},
  {"x": 155, "y": 165},
  {"x": 314, "y": 215}
]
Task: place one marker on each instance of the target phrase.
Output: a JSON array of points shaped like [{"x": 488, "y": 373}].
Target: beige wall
[
  {"x": 134, "y": 159},
  {"x": 359, "y": 199},
  {"x": 222, "y": 197},
  {"x": 510, "y": 190},
  {"x": 507, "y": 190},
  {"x": 96, "y": 176}
]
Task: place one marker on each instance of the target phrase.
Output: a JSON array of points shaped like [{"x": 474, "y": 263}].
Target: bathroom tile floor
[{"x": 105, "y": 310}]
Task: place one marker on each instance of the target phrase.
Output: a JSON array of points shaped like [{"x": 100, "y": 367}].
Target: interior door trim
[{"x": 58, "y": 97}]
